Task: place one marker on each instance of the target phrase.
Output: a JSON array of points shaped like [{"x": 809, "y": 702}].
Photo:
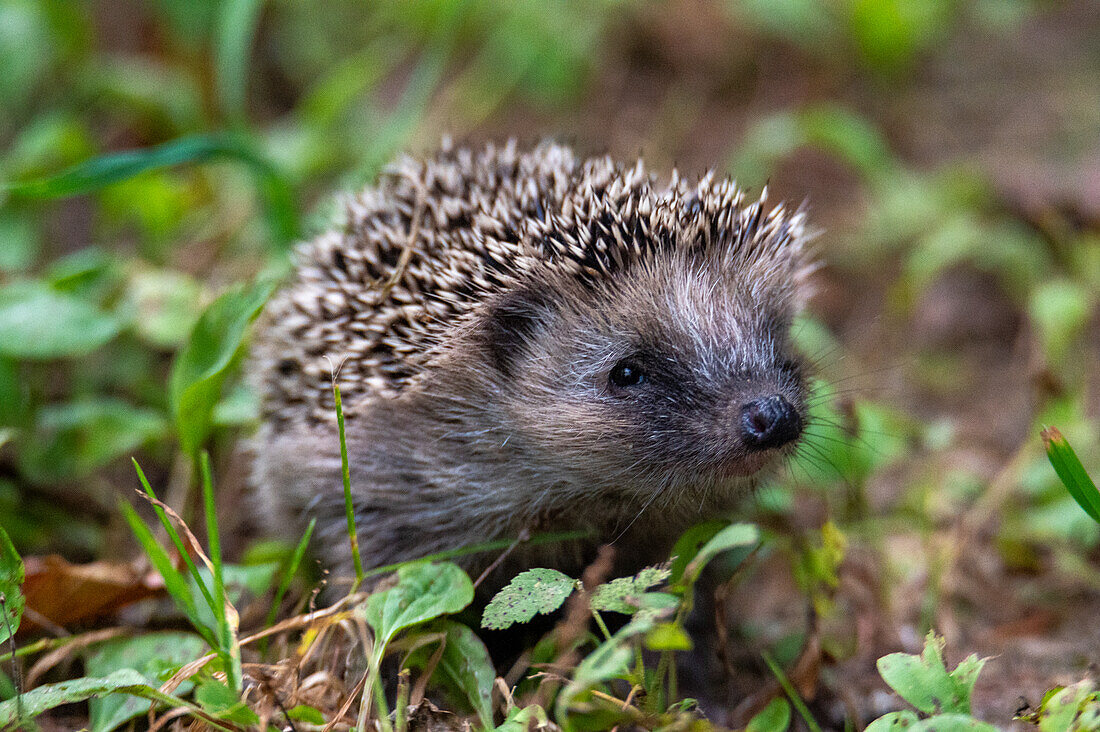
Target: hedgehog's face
[{"x": 672, "y": 373}]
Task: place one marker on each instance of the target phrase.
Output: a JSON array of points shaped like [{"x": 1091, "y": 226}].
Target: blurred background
[{"x": 155, "y": 153}]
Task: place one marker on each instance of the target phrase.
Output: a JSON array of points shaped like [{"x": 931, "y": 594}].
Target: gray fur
[{"x": 476, "y": 380}]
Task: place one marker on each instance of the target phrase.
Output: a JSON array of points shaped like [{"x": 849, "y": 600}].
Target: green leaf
[
  {"x": 1071, "y": 472},
  {"x": 1060, "y": 310},
  {"x": 308, "y": 714},
  {"x": 689, "y": 544},
  {"x": 424, "y": 591},
  {"x": 46, "y": 697},
  {"x": 615, "y": 595},
  {"x": 11, "y": 580},
  {"x": 165, "y": 306},
  {"x": 156, "y": 656},
  {"x": 668, "y": 637},
  {"x": 732, "y": 537},
  {"x": 1071, "y": 708},
  {"x": 201, "y": 367},
  {"x": 19, "y": 240},
  {"x": 289, "y": 571},
  {"x": 73, "y": 440},
  {"x": 162, "y": 93},
  {"x": 239, "y": 579},
  {"x": 531, "y": 718},
  {"x": 894, "y": 722},
  {"x": 101, "y": 171},
  {"x": 1057, "y": 713},
  {"x": 174, "y": 581},
  {"x": 776, "y": 717},
  {"x": 610, "y": 660},
  {"x": 222, "y": 702},
  {"x": 464, "y": 667},
  {"x": 528, "y": 594},
  {"x": 849, "y": 136},
  {"x": 14, "y": 395},
  {"x": 37, "y": 322},
  {"x": 104, "y": 170},
  {"x": 924, "y": 681},
  {"x": 235, "y": 29},
  {"x": 937, "y": 723}
]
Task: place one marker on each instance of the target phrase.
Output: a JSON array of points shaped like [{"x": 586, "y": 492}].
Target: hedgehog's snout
[{"x": 769, "y": 422}]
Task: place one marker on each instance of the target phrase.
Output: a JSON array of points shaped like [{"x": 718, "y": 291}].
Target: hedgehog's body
[{"x": 528, "y": 342}]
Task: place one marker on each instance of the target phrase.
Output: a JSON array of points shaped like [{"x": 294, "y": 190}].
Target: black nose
[{"x": 769, "y": 422}]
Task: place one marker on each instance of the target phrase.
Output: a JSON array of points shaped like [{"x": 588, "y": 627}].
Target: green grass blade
[
  {"x": 173, "y": 579},
  {"x": 235, "y": 31},
  {"x": 228, "y": 647},
  {"x": 792, "y": 693},
  {"x": 288, "y": 576},
  {"x": 349, "y": 506},
  {"x": 1071, "y": 472},
  {"x": 178, "y": 543},
  {"x": 92, "y": 175}
]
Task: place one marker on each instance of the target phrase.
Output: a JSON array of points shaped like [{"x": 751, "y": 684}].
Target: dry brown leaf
[{"x": 67, "y": 594}]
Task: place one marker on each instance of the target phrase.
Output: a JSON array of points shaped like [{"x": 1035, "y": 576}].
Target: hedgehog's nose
[{"x": 769, "y": 422}]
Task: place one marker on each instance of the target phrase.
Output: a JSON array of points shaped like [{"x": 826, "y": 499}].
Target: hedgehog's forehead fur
[{"x": 440, "y": 242}]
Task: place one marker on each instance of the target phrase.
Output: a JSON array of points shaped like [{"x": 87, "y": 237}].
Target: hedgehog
[{"x": 530, "y": 342}]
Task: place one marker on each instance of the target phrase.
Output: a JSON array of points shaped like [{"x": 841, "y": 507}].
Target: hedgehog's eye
[{"x": 626, "y": 373}]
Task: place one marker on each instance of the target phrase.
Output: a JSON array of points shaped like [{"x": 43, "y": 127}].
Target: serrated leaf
[
  {"x": 37, "y": 322},
  {"x": 527, "y": 595},
  {"x": 1057, "y": 712},
  {"x": 154, "y": 655},
  {"x": 924, "y": 681},
  {"x": 1073, "y": 708},
  {"x": 616, "y": 595},
  {"x": 424, "y": 591},
  {"x": 965, "y": 676},
  {"x": 201, "y": 367},
  {"x": 776, "y": 717},
  {"x": 11, "y": 579}
]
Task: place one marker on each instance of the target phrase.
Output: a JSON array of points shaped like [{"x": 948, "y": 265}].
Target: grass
[{"x": 137, "y": 187}]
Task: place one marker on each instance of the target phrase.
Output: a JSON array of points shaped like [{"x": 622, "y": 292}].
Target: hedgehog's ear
[{"x": 511, "y": 323}]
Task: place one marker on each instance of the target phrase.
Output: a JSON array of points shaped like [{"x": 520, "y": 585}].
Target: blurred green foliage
[{"x": 155, "y": 155}]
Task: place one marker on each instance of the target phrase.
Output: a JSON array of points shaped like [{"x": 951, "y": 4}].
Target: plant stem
[
  {"x": 349, "y": 507},
  {"x": 227, "y": 635}
]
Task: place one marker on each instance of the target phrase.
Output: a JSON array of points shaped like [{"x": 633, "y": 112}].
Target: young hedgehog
[{"x": 528, "y": 342}]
